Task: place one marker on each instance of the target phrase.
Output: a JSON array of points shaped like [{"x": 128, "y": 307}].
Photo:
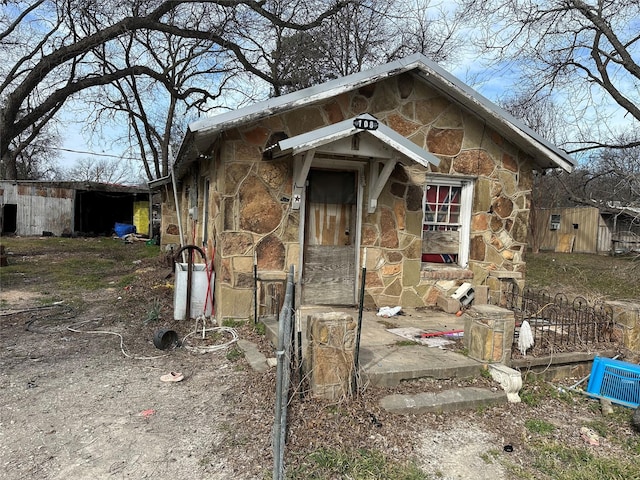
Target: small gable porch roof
[{"x": 322, "y": 136}]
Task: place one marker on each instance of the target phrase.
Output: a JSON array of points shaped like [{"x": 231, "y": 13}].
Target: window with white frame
[{"x": 447, "y": 221}]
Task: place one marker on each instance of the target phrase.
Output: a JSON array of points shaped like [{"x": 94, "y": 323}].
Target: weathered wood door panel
[{"x": 329, "y": 255}]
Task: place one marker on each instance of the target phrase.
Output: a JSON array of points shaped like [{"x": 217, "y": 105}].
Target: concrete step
[
  {"x": 388, "y": 365},
  {"x": 256, "y": 359},
  {"x": 444, "y": 401}
]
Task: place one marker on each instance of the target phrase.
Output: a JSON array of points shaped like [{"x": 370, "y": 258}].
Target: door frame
[{"x": 333, "y": 164}]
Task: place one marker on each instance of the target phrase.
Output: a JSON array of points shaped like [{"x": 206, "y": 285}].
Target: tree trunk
[{"x": 10, "y": 166}]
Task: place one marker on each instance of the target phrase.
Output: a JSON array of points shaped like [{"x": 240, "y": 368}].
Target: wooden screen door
[{"x": 329, "y": 253}]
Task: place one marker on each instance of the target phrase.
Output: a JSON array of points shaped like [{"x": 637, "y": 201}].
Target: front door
[{"x": 329, "y": 271}]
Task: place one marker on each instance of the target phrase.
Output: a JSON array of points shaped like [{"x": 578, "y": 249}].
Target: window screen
[{"x": 329, "y": 186}]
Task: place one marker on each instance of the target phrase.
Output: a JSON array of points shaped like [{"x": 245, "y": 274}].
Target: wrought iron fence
[{"x": 558, "y": 324}]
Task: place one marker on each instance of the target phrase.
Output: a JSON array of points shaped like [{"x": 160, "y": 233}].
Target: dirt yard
[{"x": 81, "y": 395}]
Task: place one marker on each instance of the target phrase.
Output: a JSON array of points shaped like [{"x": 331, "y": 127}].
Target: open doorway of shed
[
  {"x": 329, "y": 268},
  {"x": 9, "y": 218},
  {"x": 97, "y": 212}
]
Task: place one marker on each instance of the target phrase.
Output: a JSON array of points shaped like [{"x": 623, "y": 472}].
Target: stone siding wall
[{"x": 254, "y": 214}]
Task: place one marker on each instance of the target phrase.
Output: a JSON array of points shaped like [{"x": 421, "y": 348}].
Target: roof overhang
[
  {"x": 202, "y": 134},
  {"x": 159, "y": 182},
  {"x": 81, "y": 186},
  {"x": 316, "y": 139}
]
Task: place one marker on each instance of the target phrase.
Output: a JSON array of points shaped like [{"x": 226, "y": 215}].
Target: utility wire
[{"x": 96, "y": 154}]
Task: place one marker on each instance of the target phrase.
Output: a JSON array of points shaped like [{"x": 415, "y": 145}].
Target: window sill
[{"x": 434, "y": 271}]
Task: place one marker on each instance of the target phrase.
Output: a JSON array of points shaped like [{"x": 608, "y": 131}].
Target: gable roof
[
  {"x": 346, "y": 128},
  {"x": 201, "y": 133}
]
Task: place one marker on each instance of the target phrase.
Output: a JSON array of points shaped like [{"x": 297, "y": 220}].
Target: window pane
[{"x": 441, "y": 240}]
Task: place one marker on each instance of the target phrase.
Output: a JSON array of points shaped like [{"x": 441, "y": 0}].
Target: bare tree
[
  {"x": 420, "y": 26},
  {"x": 50, "y": 49},
  {"x": 103, "y": 171},
  {"x": 583, "y": 51},
  {"x": 582, "y": 54},
  {"x": 37, "y": 161},
  {"x": 154, "y": 112},
  {"x": 361, "y": 35},
  {"x": 611, "y": 181}
]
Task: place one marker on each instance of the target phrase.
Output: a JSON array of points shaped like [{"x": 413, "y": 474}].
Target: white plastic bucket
[{"x": 198, "y": 291}]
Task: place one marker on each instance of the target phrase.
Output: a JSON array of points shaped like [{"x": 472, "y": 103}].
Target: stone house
[{"x": 402, "y": 168}]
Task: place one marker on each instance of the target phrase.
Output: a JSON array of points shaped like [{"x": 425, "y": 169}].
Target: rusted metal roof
[{"x": 202, "y": 133}]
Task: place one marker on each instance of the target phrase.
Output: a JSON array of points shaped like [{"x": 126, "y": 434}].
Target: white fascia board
[
  {"x": 331, "y": 133},
  {"x": 305, "y": 96},
  {"x": 317, "y": 138},
  {"x": 404, "y": 146}
]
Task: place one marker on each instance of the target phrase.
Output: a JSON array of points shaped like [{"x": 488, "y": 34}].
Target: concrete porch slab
[
  {"x": 388, "y": 365},
  {"x": 385, "y": 358}
]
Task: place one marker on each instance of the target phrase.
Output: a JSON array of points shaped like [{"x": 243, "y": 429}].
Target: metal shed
[{"x": 67, "y": 208}]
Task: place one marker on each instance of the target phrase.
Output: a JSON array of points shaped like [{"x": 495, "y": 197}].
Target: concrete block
[
  {"x": 256, "y": 359},
  {"x": 448, "y": 304},
  {"x": 464, "y": 294}
]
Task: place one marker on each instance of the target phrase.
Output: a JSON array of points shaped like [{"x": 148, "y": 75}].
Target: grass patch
[
  {"x": 489, "y": 456},
  {"x": 541, "y": 427},
  {"x": 535, "y": 391},
  {"x": 68, "y": 266},
  {"x": 599, "y": 427},
  {"x": 595, "y": 276},
  {"x": 232, "y": 323},
  {"x": 358, "y": 464},
  {"x": 126, "y": 280},
  {"x": 234, "y": 354},
  {"x": 260, "y": 328},
  {"x": 154, "y": 313},
  {"x": 577, "y": 463},
  {"x": 531, "y": 396},
  {"x": 486, "y": 373}
]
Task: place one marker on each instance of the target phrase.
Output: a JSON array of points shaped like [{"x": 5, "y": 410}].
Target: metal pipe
[
  {"x": 255, "y": 288},
  {"x": 288, "y": 301},
  {"x": 282, "y": 381},
  {"x": 299, "y": 351},
  {"x": 187, "y": 315},
  {"x": 356, "y": 354},
  {"x": 175, "y": 199}
]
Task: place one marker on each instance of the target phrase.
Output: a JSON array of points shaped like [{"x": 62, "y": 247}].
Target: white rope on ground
[
  {"x": 105, "y": 332},
  {"x": 211, "y": 348}
]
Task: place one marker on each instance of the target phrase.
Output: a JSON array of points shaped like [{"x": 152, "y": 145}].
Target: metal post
[
  {"x": 255, "y": 288},
  {"x": 189, "y": 280},
  {"x": 356, "y": 365},
  {"x": 282, "y": 380}
]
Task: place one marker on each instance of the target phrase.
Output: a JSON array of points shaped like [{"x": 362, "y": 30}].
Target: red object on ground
[{"x": 440, "y": 334}]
